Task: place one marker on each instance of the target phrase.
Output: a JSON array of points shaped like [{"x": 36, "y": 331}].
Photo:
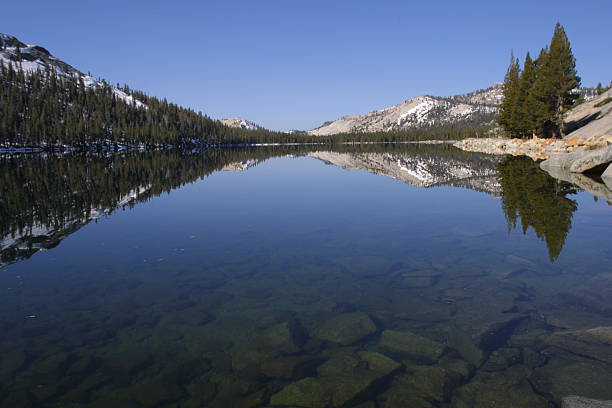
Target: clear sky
[{"x": 289, "y": 64}]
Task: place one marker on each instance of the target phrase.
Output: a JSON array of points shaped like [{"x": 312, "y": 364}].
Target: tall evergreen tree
[
  {"x": 526, "y": 122},
  {"x": 556, "y": 81},
  {"x": 565, "y": 78},
  {"x": 536, "y": 108},
  {"x": 508, "y": 111}
]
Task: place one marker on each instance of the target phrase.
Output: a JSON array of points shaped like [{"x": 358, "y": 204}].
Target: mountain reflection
[
  {"x": 46, "y": 197},
  {"x": 538, "y": 200}
]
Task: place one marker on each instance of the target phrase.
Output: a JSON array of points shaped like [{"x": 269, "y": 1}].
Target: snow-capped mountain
[
  {"x": 475, "y": 108},
  {"x": 31, "y": 58},
  {"x": 241, "y": 123},
  {"x": 476, "y": 172}
]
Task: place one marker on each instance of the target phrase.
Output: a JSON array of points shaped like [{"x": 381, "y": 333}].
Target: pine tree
[
  {"x": 508, "y": 112},
  {"x": 563, "y": 68},
  {"x": 553, "y": 92},
  {"x": 526, "y": 121}
]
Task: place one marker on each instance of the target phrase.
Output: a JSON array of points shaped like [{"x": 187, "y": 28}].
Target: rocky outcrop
[
  {"x": 593, "y": 117},
  {"x": 581, "y": 161},
  {"x": 607, "y": 177},
  {"x": 536, "y": 148}
]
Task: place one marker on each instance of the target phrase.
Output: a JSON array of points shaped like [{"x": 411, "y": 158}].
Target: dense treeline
[
  {"x": 44, "y": 108},
  {"x": 537, "y": 96}
]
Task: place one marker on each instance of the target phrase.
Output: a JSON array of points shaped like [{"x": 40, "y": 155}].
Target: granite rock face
[
  {"x": 607, "y": 177},
  {"x": 592, "y": 160}
]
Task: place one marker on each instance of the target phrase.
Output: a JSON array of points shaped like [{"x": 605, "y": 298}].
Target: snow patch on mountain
[
  {"x": 241, "y": 123},
  {"x": 422, "y": 111}
]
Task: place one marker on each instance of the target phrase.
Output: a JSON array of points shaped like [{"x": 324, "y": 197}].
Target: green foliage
[
  {"x": 538, "y": 200},
  {"x": 536, "y": 100},
  {"x": 604, "y": 102},
  {"x": 509, "y": 110}
]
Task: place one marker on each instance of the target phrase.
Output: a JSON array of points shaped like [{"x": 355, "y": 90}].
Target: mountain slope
[
  {"x": 473, "y": 109},
  {"x": 241, "y": 124},
  {"x": 30, "y": 58}
]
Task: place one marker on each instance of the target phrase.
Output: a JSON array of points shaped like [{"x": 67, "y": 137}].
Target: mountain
[
  {"x": 472, "y": 109},
  {"x": 241, "y": 124},
  {"x": 31, "y": 58}
]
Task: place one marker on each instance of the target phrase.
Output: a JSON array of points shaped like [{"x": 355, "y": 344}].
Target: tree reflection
[{"x": 538, "y": 200}]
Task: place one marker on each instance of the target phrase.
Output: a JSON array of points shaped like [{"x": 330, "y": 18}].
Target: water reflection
[
  {"x": 46, "y": 197},
  {"x": 539, "y": 200},
  {"x": 288, "y": 283}
]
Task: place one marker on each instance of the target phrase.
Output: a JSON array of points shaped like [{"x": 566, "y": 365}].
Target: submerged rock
[
  {"x": 404, "y": 344},
  {"x": 595, "y": 343},
  {"x": 344, "y": 380},
  {"x": 502, "y": 358},
  {"x": 346, "y": 329},
  {"x": 421, "y": 386},
  {"x": 282, "y": 337},
  {"x": 507, "y": 389},
  {"x": 567, "y": 374},
  {"x": 574, "y": 401}
]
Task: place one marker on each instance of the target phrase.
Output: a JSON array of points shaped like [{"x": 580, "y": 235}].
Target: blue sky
[{"x": 293, "y": 65}]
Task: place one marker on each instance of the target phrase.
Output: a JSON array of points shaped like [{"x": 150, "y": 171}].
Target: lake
[{"x": 365, "y": 276}]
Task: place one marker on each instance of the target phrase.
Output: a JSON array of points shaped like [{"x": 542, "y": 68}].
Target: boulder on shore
[{"x": 581, "y": 161}]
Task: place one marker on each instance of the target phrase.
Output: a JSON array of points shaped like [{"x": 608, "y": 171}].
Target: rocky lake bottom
[{"x": 413, "y": 276}]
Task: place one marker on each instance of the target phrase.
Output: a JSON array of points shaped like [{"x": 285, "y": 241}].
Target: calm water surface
[{"x": 414, "y": 276}]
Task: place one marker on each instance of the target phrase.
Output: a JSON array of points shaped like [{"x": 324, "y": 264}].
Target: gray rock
[
  {"x": 591, "y": 160},
  {"x": 574, "y": 401},
  {"x": 562, "y": 160},
  {"x": 603, "y": 191},
  {"x": 607, "y": 177}
]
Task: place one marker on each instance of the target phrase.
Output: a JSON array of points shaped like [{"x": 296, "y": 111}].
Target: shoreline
[
  {"x": 535, "y": 148},
  {"x": 122, "y": 148}
]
